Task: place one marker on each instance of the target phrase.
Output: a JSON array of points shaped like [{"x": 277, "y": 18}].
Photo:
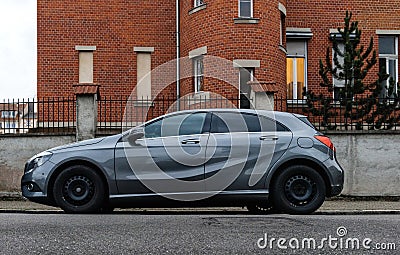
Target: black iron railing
[
  {"x": 357, "y": 114},
  {"x": 58, "y": 115},
  {"x": 50, "y": 116},
  {"x": 121, "y": 113}
]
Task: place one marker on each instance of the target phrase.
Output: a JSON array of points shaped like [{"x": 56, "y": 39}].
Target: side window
[
  {"x": 236, "y": 122},
  {"x": 183, "y": 124},
  {"x": 192, "y": 124}
]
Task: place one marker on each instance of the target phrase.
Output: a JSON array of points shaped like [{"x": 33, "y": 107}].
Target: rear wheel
[
  {"x": 79, "y": 189},
  {"x": 298, "y": 190}
]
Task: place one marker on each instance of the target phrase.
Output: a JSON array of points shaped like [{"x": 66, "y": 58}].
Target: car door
[
  {"x": 168, "y": 159},
  {"x": 244, "y": 147}
]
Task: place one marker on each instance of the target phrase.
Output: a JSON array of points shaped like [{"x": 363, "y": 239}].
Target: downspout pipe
[{"x": 178, "y": 54}]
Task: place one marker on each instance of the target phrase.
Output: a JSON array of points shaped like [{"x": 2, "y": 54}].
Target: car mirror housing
[{"x": 134, "y": 135}]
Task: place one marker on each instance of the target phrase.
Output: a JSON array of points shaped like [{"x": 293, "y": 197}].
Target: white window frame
[
  {"x": 198, "y": 3},
  {"x": 394, "y": 57},
  {"x": 251, "y": 8},
  {"x": 198, "y": 74},
  {"x": 295, "y": 57}
]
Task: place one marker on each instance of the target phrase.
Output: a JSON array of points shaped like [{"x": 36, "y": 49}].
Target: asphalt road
[{"x": 186, "y": 233}]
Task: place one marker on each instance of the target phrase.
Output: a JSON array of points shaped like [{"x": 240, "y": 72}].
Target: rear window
[
  {"x": 251, "y": 123},
  {"x": 306, "y": 121}
]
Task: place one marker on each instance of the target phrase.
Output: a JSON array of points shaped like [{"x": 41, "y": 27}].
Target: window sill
[
  {"x": 197, "y": 8},
  {"x": 282, "y": 49},
  {"x": 198, "y": 97},
  {"x": 246, "y": 20},
  {"x": 143, "y": 103}
]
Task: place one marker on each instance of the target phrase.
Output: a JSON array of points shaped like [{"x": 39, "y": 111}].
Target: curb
[
  {"x": 191, "y": 212},
  {"x": 11, "y": 196}
]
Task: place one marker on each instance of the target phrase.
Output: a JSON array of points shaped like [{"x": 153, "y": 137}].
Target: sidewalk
[{"x": 13, "y": 202}]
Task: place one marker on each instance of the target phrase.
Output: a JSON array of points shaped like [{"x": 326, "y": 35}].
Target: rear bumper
[
  {"x": 336, "y": 173},
  {"x": 336, "y": 190}
]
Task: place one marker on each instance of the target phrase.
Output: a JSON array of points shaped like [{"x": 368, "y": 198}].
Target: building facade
[{"x": 278, "y": 43}]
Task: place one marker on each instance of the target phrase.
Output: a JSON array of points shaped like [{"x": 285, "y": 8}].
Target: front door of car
[
  {"x": 244, "y": 147},
  {"x": 168, "y": 159}
]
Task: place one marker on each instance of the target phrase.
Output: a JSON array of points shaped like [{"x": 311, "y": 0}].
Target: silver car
[{"x": 267, "y": 161}]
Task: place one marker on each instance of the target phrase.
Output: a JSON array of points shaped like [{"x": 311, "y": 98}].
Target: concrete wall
[
  {"x": 16, "y": 150},
  {"x": 371, "y": 161}
]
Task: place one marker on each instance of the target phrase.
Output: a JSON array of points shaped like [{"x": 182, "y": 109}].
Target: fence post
[
  {"x": 86, "y": 110},
  {"x": 262, "y": 94}
]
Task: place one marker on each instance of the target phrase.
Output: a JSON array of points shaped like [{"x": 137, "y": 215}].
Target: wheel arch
[
  {"x": 301, "y": 161},
  {"x": 74, "y": 162}
]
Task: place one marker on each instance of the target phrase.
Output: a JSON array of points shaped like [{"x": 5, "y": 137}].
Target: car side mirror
[{"x": 134, "y": 135}]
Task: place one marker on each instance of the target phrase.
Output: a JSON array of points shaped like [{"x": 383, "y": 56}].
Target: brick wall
[
  {"x": 214, "y": 27},
  {"x": 323, "y": 15},
  {"x": 114, "y": 27}
]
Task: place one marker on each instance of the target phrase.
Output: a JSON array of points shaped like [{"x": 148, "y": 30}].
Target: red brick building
[{"x": 116, "y": 43}]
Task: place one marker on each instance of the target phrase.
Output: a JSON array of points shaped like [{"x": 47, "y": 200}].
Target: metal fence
[
  {"x": 121, "y": 113},
  {"x": 58, "y": 115},
  {"x": 50, "y": 116},
  {"x": 361, "y": 113}
]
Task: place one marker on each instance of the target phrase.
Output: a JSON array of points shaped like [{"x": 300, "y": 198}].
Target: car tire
[
  {"x": 79, "y": 189},
  {"x": 298, "y": 190}
]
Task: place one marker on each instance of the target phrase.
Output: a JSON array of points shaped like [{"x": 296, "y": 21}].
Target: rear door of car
[{"x": 244, "y": 147}]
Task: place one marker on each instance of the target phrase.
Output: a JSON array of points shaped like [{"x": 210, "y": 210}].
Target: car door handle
[
  {"x": 269, "y": 138},
  {"x": 191, "y": 141}
]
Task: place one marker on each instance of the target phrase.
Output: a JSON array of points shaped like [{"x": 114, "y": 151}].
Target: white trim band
[
  {"x": 143, "y": 49},
  {"x": 85, "y": 48},
  {"x": 387, "y": 32},
  {"x": 282, "y": 8},
  {"x": 198, "y": 52},
  {"x": 246, "y": 63}
]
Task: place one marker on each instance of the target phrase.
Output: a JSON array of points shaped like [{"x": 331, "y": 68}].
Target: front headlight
[{"x": 38, "y": 160}]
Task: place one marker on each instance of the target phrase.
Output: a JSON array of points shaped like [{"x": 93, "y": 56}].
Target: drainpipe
[{"x": 178, "y": 55}]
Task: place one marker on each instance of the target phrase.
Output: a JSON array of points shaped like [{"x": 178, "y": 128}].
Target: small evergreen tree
[{"x": 350, "y": 66}]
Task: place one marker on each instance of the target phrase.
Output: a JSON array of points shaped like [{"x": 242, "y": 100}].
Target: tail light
[{"x": 327, "y": 141}]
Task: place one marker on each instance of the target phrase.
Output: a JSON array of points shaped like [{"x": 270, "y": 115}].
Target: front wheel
[
  {"x": 79, "y": 189},
  {"x": 298, "y": 190}
]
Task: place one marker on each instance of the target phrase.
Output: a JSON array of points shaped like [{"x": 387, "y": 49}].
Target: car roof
[{"x": 251, "y": 111}]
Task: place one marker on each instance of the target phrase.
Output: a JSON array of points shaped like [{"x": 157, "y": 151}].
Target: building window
[
  {"x": 198, "y": 3},
  {"x": 246, "y": 8},
  {"x": 388, "y": 60},
  {"x": 198, "y": 73},
  {"x": 245, "y": 75},
  {"x": 8, "y": 114},
  {"x": 338, "y": 84},
  {"x": 281, "y": 29},
  {"x": 296, "y": 68},
  {"x": 85, "y": 63},
  {"x": 143, "y": 69},
  {"x": 10, "y": 125}
]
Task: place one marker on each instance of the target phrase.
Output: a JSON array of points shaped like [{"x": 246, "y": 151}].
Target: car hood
[{"x": 77, "y": 144}]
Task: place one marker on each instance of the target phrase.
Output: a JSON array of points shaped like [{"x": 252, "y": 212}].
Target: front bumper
[{"x": 34, "y": 184}]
